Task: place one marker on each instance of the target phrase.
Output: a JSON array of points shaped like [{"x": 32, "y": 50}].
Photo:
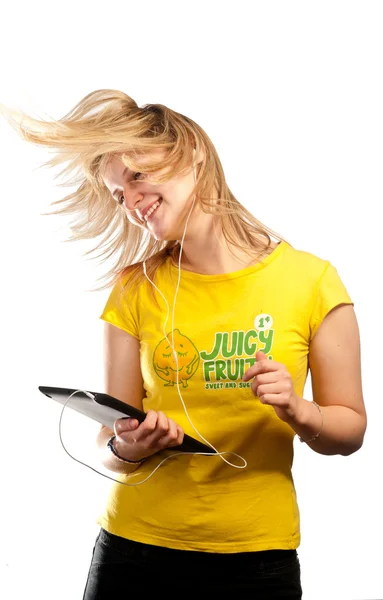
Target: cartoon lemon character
[{"x": 165, "y": 363}]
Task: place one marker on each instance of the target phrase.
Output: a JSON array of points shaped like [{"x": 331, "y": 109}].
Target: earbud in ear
[{"x": 194, "y": 166}]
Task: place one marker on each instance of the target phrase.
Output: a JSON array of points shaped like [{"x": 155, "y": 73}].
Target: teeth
[{"x": 151, "y": 210}]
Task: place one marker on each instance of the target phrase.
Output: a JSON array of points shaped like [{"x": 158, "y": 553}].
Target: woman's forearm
[{"x": 343, "y": 428}]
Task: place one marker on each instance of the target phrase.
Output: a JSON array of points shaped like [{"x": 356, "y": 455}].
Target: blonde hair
[{"x": 107, "y": 122}]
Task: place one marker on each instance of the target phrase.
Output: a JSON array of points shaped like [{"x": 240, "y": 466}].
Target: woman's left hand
[{"x": 273, "y": 384}]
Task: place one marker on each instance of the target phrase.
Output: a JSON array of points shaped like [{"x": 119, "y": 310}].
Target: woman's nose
[{"x": 132, "y": 198}]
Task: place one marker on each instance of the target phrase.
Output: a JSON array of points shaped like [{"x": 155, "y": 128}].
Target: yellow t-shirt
[{"x": 221, "y": 321}]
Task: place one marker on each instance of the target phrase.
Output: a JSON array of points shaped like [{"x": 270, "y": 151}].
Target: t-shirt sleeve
[
  {"x": 329, "y": 293},
  {"x": 121, "y": 309}
]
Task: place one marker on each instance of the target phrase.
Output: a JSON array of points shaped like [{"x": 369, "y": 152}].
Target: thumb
[
  {"x": 260, "y": 355},
  {"x": 125, "y": 424}
]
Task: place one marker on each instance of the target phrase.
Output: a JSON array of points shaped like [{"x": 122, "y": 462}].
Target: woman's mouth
[{"x": 152, "y": 210}]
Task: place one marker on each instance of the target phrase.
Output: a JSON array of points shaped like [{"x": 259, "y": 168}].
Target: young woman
[{"x": 210, "y": 328}]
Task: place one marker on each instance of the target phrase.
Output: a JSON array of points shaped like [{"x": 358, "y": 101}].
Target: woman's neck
[{"x": 213, "y": 255}]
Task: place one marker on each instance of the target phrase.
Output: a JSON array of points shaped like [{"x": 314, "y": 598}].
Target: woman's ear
[{"x": 198, "y": 156}]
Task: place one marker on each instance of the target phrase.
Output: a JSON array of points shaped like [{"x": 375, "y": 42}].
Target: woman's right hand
[{"x": 135, "y": 441}]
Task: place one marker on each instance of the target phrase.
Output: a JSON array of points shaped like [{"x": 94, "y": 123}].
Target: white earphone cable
[
  {"x": 220, "y": 454},
  {"x": 103, "y": 474}
]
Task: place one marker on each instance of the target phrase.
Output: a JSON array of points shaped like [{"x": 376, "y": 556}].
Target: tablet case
[{"x": 105, "y": 409}]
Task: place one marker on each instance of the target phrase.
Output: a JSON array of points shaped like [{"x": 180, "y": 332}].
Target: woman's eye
[{"x": 121, "y": 199}]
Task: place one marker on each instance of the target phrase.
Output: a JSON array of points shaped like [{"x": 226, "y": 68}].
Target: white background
[{"x": 291, "y": 94}]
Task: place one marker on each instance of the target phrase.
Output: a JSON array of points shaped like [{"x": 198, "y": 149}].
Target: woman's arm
[
  {"x": 334, "y": 361},
  {"x": 335, "y": 366},
  {"x": 123, "y": 380}
]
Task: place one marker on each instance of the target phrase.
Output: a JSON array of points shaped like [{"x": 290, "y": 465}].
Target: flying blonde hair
[{"x": 108, "y": 122}]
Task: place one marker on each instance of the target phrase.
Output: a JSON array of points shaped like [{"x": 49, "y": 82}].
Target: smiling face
[{"x": 162, "y": 209}]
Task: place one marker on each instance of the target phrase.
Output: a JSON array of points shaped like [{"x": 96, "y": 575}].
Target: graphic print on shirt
[
  {"x": 223, "y": 364},
  {"x": 232, "y": 353},
  {"x": 165, "y": 364}
]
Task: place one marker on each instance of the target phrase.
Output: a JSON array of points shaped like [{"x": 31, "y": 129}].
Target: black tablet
[{"x": 105, "y": 409}]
